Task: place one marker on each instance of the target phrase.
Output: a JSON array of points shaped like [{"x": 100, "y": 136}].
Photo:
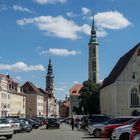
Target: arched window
[{"x": 134, "y": 98}]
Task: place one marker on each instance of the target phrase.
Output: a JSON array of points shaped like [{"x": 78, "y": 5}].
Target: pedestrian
[{"x": 72, "y": 123}]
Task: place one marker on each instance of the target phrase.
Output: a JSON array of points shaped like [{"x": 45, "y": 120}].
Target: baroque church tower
[
  {"x": 93, "y": 65},
  {"x": 50, "y": 80}
]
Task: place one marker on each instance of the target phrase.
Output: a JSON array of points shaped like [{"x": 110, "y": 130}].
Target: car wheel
[
  {"x": 97, "y": 133},
  {"x": 9, "y": 136},
  {"x": 124, "y": 136}
]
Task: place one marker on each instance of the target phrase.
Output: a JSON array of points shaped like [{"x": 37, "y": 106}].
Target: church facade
[{"x": 120, "y": 91}]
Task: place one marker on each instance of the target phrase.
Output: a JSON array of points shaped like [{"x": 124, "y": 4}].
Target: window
[
  {"x": 94, "y": 65},
  {"x": 94, "y": 51},
  {"x": 134, "y": 98},
  {"x": 134, "y": 75}
]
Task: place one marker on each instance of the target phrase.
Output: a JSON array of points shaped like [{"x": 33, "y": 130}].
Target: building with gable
[
  {"x": 120, "y": 91},
  {"x": 34, "y": 100},
  {"x": 74, "y": 94},
  {"x": 12, "y": 98}
]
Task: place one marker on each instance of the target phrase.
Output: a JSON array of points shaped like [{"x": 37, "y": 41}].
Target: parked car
[
  {"x": 123, "y": 132},
  {"x": 52, "y": 122},
  {"x": 37, "y": 121},
  {"x": 93, "y": 119},
  {"x": 15, "y": 124},
  {"x": 31, "y": 122},
  {"x": 135, "y": 132},
  {"x": 108, "y": 129},
  {"x": 97, "y": 128},
  {"x": 42, "y": 119},
  {"x": 25, "y": 126},
  {"x": 6, "y": 129}
]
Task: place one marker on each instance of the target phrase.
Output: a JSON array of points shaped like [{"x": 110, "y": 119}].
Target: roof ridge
[{"x": 119, "y": 67}]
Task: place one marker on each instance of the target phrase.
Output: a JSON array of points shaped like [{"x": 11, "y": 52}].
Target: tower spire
[
  {"x": 93, "y": 39},
  {"x": 50, "y": 79},
  {"x": 93, "y": 56}
]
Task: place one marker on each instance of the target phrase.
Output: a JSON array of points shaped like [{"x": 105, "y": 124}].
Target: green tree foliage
[{"x": 89, "y": 99}]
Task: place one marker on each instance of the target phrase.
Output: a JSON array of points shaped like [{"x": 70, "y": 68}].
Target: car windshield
[
  {"x": 118, "y": 121},
  {"x": 132, "y": 121},
  {"x": 3, "y": 121}
]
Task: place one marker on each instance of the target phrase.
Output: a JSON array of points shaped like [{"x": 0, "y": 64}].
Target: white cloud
[
  {"x": 76, "y": 82},
  {"x": 71, "y": 14},
  {"x": 21, "y": 9},
  {"x": 85, "y": 11},
  {"x": 86, "y": 29},
  {"x": 18, "y": 78},
  {"x": 59, "y": 89},
  {"x": 60, "y": 52},
  {"x": 111, "y": 20},
  {"x": 101, "y": 33},
  {"x": 50, "y": 1},
  {"x": 56, "y": 26},
  {"x": 21, "y": 66}
]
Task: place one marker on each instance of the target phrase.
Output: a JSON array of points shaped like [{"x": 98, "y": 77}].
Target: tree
[{"x": 89, "y": 99}]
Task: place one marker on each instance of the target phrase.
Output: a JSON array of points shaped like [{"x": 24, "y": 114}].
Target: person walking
[{"x": 72, "y": 123}]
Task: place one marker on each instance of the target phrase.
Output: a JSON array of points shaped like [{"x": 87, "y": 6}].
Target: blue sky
[{"x": 33, "y": 31}]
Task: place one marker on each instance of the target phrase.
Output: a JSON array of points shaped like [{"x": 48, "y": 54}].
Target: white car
[
  {"x": 123, "y": 132},
  {"x": 6, "y": 129},
  {"x": 95, "y": 129},
  {"x": 15, "y": 124}
]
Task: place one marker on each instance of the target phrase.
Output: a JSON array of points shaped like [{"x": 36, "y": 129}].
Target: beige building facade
[
  {"x": 12, "y": 100},
  {"x": 120, "y": 91},
  {"x": 34, "y": 100},
  {"x": 18, "y": 104}
]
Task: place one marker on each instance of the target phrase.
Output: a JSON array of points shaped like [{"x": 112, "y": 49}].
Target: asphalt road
[{"x": 64, "y": 133}]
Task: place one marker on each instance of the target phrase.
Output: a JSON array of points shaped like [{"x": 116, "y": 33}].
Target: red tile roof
[{"x": 75, "y": 89}]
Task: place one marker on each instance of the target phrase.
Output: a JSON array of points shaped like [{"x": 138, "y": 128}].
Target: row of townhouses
[{"x": 27, "y": 100}]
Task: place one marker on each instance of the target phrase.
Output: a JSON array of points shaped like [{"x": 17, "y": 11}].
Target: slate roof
[{"x": 119, "y": 67}]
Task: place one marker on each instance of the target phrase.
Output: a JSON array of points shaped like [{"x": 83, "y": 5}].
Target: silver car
[
  {"x": 123, "y": 132},
  {"x": 97, "y": 128},
  {"x": 6, "y": 129},
  {"x": 15, "y": 124}
]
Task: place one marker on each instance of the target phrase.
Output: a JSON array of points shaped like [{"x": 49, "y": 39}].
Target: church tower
[
  {"x": 50, "y": 80},
  {"x": 93, "y": 65}
]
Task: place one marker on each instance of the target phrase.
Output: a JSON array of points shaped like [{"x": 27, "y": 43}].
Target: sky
[{"x": 32, "y": 31}]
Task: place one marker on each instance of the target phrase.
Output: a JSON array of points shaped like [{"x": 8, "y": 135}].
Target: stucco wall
[{"x": 115, "y": 98}]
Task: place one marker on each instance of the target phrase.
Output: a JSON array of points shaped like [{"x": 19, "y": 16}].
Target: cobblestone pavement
[{"x": 64, "y": 133}]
